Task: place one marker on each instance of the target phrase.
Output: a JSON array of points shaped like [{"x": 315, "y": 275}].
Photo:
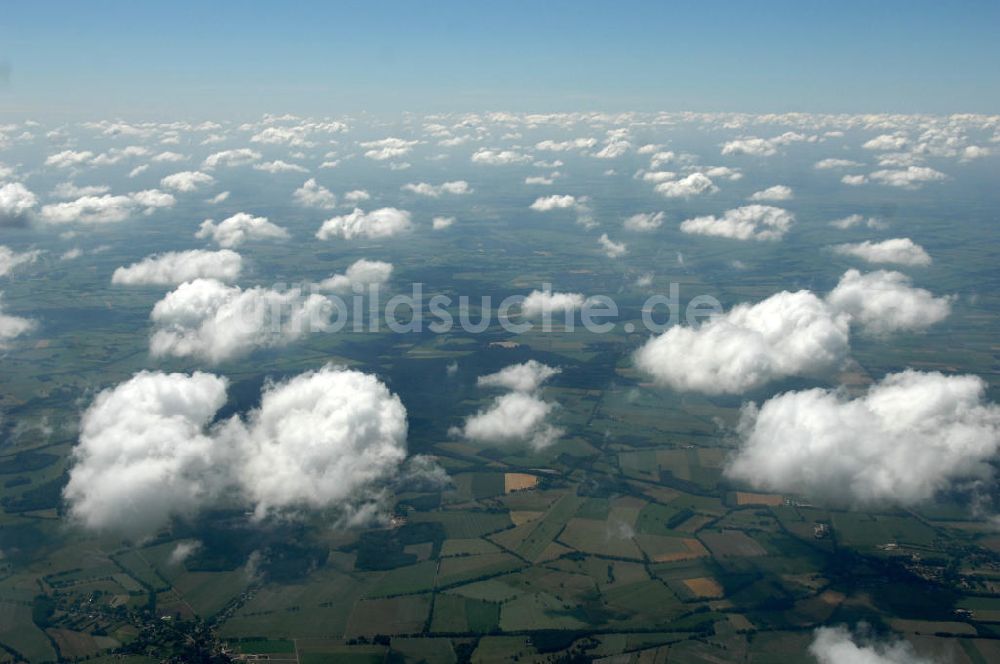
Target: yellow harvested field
[
  {"x": 519, "y": 517},
  {"x": 704, "y": 587},
  {"x": 692, "y": 549},
  {"x": 518, "y": 482},
  {"x": 748, "y": 498}
]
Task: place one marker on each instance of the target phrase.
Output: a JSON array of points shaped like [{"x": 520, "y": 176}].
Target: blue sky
[{"x": 242, "y": 59}]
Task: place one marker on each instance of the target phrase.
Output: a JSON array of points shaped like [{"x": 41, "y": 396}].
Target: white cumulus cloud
[
  {"x": 106, "y": 209},
  {"x": 327, "y": 439},
  {"x": 900, "y": 250},
  {"x": 16, "y": 202},
  {"x": 524, "y": 377},
  {"x": 321, "y": 439},
  {"x": 883, "y": 302},
  {"x": 314, "y": 195},
  {"x": 643, "y": 222},
  {"x": 520, "y": 416},
  {"x": 688, "y": 186},
  {"x": 176, "y": 267},
  {"x": 239, "y": 228},
  {"x": 143, "y": 455},
  {"x": 750, "y": 222},
  {"x": 909, "y": 436},
  {"x": 187, "y": 181},
  {"x": 911, "y": 177},
  {"x": 554, "y": 202},
  {"x": 279, "y": 166},
  {"x": 778, "y": 192},
  {"x": 456, "y": 187},
  {"x": 788, "y": 334},
  {"x": 543, "y": 302},
  {"x": 236, "y": 157},
  {"x": 499, "y": 157},
  {"x": 12, "y": 327},
  {"x": 611, "y": 248},
  {"x": 360, "y": 274},
  {"x": 209, "y": 320},
  {"x": 380, "y": 223},
  {"x": 10, "y": 259}
]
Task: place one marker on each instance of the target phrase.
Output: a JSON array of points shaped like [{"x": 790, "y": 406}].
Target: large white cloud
[
  {"x": 237, "y": 229},
  {"x": 106, "y": 209},
  {"x": 455, "y": 187},
  {"x": 788, "y": 334},
  {"x": 750, "y": 222},
  {"x": 16, "y": 202},
  {"x": 187, "y": 181},
  {"x": 330, "y": 438},
  {"x": 883, "y": 302},
  {"x": 10, "y": 259},
  {"x": 176, "y": 267},
  {"x": 314, "y": 195},
  {"x": 380, "y": 223},
  {"x": 909, "y": 436},
  {"x": 209, "y": 320},
  {"x": 360, "y": 274},
  {"x": 690, "y": 185},
  {"x": 900, "y": 251},
  {"x": 318, "y": 440},
  {"x": 143, "y": 454},
  {"x": 836, "y": 645}
]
